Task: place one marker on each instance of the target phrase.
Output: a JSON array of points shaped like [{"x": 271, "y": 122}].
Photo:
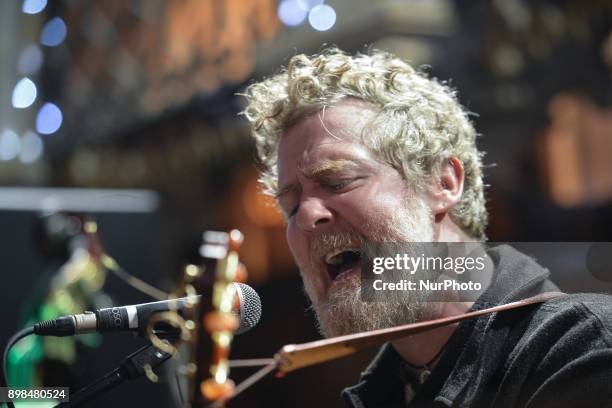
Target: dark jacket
[{"x": 556, "y": 354}]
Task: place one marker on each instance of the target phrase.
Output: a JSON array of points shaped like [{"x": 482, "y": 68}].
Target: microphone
[{"x": 247, "y": 309}]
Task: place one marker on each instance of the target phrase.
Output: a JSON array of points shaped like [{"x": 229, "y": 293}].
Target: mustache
[
  {"x": 324, "y": 242},
  {"x": 370, "y": 246}
]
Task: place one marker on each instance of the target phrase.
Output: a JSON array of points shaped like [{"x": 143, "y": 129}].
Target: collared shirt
[{"x": 555, "y": 354}]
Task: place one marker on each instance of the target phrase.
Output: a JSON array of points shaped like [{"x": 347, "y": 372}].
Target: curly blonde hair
[{"x": 419, "y": 124}]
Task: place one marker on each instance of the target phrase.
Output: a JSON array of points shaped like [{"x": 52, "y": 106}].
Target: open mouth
[{"x": 340, "y": 261}]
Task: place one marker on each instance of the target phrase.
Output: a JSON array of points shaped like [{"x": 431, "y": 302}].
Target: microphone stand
[{"x": 133, "y": 367}]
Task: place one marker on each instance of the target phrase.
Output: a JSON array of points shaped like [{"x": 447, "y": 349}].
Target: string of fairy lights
[{"x": 45, "y": 117}]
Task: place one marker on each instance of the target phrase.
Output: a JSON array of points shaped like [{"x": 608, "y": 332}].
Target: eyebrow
[
  {"x": 329, "y": 166},
  {"x": 289, "y": 188},
  {"x": 322, "y": 168}
]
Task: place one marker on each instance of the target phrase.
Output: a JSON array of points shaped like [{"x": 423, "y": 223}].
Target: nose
[{"x": 313, "y": 214}]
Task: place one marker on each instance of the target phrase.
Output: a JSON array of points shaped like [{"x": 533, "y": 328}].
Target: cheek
[
  {"x": 295, "y": 241},
  {"x": 366, "y": 206}
]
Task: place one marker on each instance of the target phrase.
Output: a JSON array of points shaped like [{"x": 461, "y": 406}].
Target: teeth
[
  {"x": 330, "y": 257},
  {"x": 334, "y": 258}
]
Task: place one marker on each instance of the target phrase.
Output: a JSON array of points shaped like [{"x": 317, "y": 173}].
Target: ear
[{"x": 447, "y": 188}]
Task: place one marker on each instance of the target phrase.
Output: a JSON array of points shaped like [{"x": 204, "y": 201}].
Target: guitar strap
[{"x": 294, "y": 356}]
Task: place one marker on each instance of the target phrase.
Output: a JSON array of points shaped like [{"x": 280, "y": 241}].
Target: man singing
[{"x": 363, "y": 149}]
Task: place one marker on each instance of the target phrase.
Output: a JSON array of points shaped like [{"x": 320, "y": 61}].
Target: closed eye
[{"x": 342, "y": 185}]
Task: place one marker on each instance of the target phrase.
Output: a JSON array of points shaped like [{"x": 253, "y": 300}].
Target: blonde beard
[{"x": 343, "y": 311}]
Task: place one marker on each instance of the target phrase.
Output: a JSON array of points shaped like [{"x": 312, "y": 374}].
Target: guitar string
[
  {"x": 111, "y": 265},
  {"x": 253, "y": 379}
]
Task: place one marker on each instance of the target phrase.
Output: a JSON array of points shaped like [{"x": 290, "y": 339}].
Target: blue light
[
  {"x": 24, "y": 93},
  {"x": 53, "y": 33},
  {"x": 30, "y": 59},
  {"x": 31, "y": 147},
  {"x": 10, "y": 144},
  {"x": 322, "y": 17},
  {"x": 290, "y": 13},
  {"x": 306, "y": 5},
  {"x": 33, "y": 6},
  {"x": 49, "y": 119}
]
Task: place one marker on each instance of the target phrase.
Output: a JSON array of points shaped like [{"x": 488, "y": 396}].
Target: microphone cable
[{"x": 16, "y": 337}]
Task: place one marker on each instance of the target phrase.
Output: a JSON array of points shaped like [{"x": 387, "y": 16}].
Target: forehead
[{"x": 332, "y": 133}]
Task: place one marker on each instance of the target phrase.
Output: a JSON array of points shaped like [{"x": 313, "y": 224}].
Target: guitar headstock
[{"x": 209, "y": 322}]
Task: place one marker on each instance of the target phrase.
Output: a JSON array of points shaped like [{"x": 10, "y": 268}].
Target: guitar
[{"x": 207, "y": 324}]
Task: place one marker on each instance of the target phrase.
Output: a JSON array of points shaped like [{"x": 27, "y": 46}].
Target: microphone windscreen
[{"x": 250, "y": 307}]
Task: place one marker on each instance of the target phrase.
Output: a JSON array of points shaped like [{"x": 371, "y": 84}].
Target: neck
[
  {"x": 445, "y": 230},
  {"x": 420, "y": 349}
]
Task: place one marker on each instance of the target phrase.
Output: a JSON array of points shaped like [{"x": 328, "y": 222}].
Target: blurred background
[{"x": 124, "y": 112}]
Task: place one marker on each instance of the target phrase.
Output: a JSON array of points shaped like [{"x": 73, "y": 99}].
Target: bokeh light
[
  {"x": 10, "y": 145},
  {"x": 31, "y": 147},
  {"x": 24, "y": 93},
  {"x": 306, "y": 5},
  {"x": 322, "y": 17},
  {"x": 54, "y": 32},
  {"x": 291, "y": 13},
  {"x": 33, "y": 6},
  {"x": 49, "y": 119},
  {"x": 30, "y": 59}
]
